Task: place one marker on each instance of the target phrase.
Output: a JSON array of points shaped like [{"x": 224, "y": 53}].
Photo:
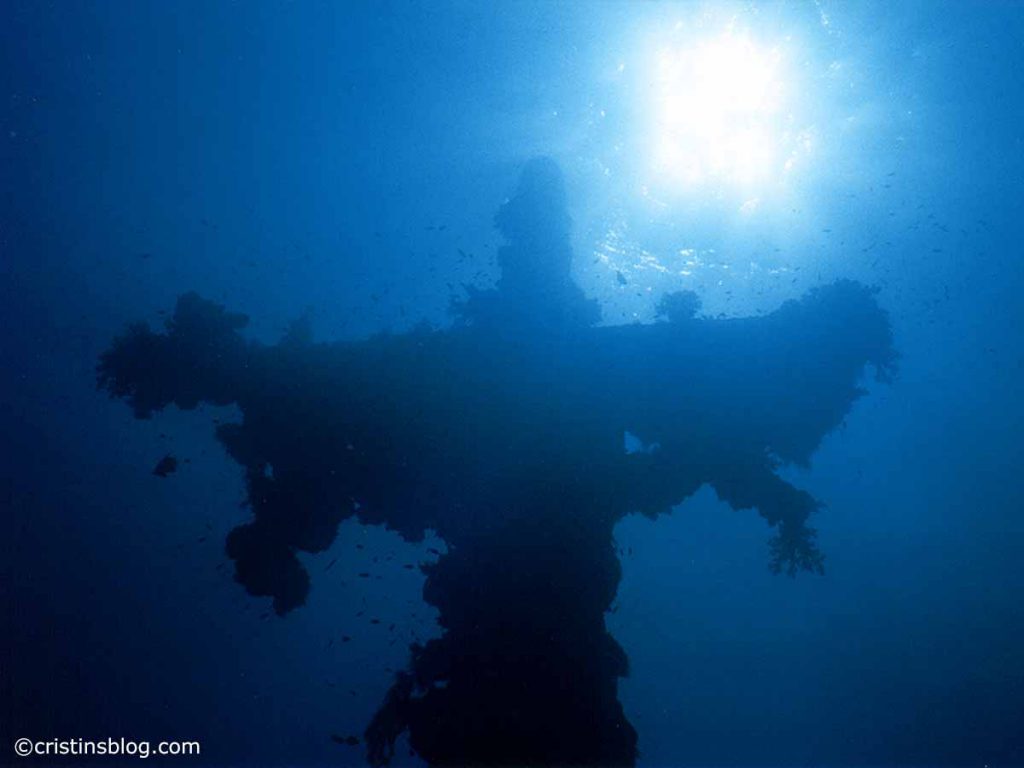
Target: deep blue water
[{"x": 344, "y": 163}]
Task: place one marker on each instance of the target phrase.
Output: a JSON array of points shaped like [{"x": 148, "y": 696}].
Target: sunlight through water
[{"x": 721, "y": 112}]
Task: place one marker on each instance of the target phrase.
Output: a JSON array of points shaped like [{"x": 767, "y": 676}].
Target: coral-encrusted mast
[{"x": 504, "y": 434}]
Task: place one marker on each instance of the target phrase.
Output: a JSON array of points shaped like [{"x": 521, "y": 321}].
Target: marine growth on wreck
[{"x": 503, "y": 433}]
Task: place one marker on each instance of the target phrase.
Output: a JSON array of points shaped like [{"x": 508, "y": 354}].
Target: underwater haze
[{"x": 519, "y": 383}]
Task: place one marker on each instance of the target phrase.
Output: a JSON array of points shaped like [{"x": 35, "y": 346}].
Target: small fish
[
  {"x": 348, "y": 741},
  {"x": 620, "y": 278},
  {"x": 165, "y": 466},
  {"x": 330, "y": 564}
]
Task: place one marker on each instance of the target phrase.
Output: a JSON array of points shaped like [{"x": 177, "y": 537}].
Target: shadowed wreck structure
[{"x": 504, "y": 434}]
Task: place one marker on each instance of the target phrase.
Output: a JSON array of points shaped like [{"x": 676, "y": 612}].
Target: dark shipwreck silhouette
[{"x": 504, "y": 434}]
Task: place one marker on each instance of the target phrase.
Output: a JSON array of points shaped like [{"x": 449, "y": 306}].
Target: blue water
[{"x": 343, "y": 163}]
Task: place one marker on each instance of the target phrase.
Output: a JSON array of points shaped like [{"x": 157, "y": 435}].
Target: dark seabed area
[{"x": 519, "y": 384}]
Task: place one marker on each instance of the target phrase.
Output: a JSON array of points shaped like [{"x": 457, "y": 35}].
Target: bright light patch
[{"x": 719, "y": 111}]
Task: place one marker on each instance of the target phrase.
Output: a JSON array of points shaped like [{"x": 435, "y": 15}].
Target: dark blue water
[{"x": 343, "y": 163}]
